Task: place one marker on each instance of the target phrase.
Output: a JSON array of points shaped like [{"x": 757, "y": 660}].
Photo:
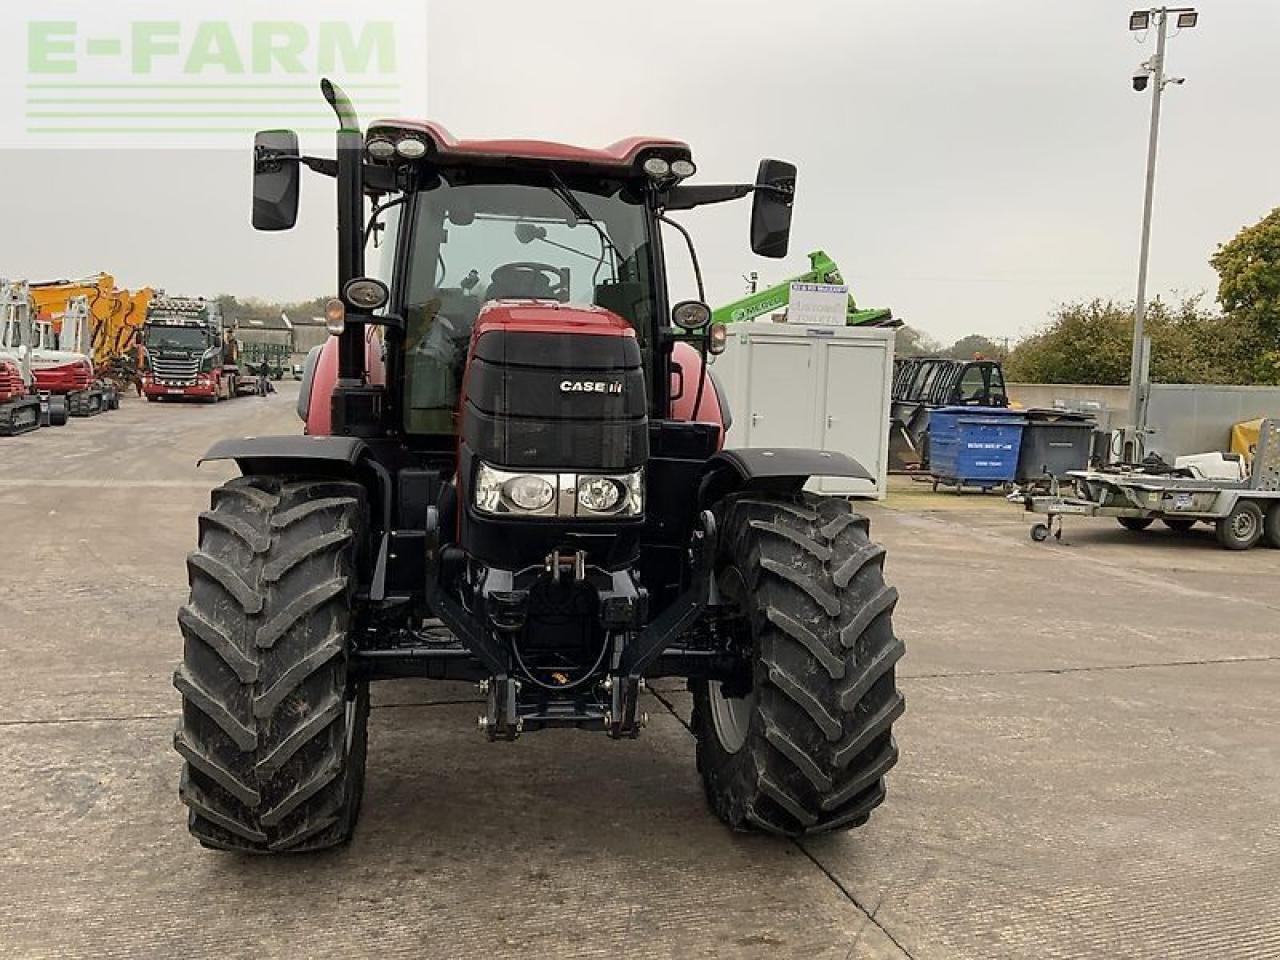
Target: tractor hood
[
  {"x": 550, "y": 316},
  {"x": 550, "y": 385}
]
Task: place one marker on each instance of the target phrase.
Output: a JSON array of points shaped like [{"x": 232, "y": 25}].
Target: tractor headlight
[
  {"x": 512, "y": 492},
  {"x": 529, "y": 492},
  {"x": 505, "y": 491},
  {"x": 613, "y": 495},
  {"x": 599, "y": 494}
]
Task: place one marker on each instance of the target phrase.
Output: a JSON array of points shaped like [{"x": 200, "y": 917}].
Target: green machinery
[
  {"x": 273, "y": 359},
  {"x": 822, "y": 269}
]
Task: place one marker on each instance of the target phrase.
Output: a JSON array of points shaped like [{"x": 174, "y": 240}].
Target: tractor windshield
[{"x": 476, "y": 242}]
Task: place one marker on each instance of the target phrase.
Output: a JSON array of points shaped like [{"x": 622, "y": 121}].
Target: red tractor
[{"x": 521, "y": 483}]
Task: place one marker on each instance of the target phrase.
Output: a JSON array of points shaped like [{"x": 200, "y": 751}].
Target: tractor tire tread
[
  {"x": 273, "y": 732},
  {"x": 820, "y": 738}
]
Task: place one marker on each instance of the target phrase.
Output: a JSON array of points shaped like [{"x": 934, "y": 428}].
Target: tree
[
  {"x": 910, "y": 342},
  {"x": 1090, "y": 342},
  {"x": 975, "y": 344},
  {"x": 1085, "y": 342},
  {"x": 1249, "y": 291}
]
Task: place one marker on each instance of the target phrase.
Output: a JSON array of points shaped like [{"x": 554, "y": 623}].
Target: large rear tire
[
  {"x": 273, "y": 728},
  {"x": 807, "y": 749}
]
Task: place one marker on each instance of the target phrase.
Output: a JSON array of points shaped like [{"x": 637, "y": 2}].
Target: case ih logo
[{"x": 591, "y": 386}]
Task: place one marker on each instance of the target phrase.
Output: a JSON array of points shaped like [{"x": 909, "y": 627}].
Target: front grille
[{"x": 178, "y": 371}]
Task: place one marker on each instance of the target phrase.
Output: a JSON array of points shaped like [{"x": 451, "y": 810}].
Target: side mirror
[
  {"x": 276, "y": 173},
  {"x": 771, "y": 208}
]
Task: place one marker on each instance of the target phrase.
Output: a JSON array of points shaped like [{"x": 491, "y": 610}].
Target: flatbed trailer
[{"x": 1243, "y": 513}]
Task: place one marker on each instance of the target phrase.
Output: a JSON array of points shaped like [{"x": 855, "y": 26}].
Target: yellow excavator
[{"x": 115, "y": 315}]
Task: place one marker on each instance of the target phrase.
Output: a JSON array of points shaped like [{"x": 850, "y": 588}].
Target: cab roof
[{"x": 625, "y": 154}]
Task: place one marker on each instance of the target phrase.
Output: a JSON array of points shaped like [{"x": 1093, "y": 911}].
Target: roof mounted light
[
  {"x": 381, "y": 149},
  {"x": 657, "y": 167},
  {"x": 683, "y": 168},
  {"x": 411, "y": 148}
]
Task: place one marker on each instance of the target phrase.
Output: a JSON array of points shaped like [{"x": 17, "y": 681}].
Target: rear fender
[
  {"x": 781, "y": 470},
  {"x": 315, "y": 400},
  {"x": 686, "y": 367}
]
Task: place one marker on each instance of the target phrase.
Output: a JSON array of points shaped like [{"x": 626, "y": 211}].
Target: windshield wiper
[{"x": 561, "y": 190}]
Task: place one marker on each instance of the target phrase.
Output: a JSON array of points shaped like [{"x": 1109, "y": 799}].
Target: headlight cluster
[{"x": 589, "y": 495}]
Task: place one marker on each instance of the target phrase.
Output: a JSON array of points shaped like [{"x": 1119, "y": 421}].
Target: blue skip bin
[{"x": 974, "y": 446}]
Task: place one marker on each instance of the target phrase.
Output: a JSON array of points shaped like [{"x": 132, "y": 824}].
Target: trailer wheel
[
  {"x": 1179, "y": 524},
  {"x": 805, "y": 750},
  {"x": 273, "y": 729},
  {"x": 1040, "y": 532},
  {"x": 1271, "y": 525},
  {"x": 1135, "y": 524},
  {"x": 1242, "y": 528}
]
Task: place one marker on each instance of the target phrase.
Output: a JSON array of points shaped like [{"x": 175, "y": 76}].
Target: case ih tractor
[{"x": 521, "y": 483}]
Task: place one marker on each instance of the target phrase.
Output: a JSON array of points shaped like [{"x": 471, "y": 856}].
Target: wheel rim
[
  {"x": 1244, "y": 525},
  {"x": 350, "y": 718},
  {"x": 731, "y": 716}
]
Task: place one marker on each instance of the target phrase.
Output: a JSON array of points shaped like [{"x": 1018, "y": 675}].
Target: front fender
[
  {"x": 344, "y": 457},
  {"x": 256, "y": 455},
  {"x": 775, "y": 469}
]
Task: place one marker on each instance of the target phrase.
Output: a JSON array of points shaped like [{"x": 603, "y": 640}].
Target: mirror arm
[
  {"x": 266, "y": 158},
  {"x": 785, "y": 189},
  {"x": 681, "y": 197},
  {"x": 321, "y": 165}
]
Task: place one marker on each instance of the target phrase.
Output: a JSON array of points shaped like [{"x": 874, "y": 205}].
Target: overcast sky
[{"x": 968, "y": 164}]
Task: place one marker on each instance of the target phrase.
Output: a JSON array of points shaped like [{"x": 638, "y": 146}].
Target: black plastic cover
[{"x": 556, "y": 401}]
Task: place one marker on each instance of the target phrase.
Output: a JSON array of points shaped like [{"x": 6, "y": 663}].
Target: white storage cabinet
[{"x": 826, "y": 388}]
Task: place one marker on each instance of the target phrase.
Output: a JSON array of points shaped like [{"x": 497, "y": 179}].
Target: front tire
[
  {"x": 273, "y": 729},
  {"x": 807, "y": 749}
]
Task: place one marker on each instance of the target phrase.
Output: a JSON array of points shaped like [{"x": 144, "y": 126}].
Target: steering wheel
[{"x": 529, "y": 278}]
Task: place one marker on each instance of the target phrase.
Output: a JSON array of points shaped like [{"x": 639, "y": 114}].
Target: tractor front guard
[{"x": 506, "y": 715}]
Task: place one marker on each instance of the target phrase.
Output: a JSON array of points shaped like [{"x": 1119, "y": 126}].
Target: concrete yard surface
[{"x": 1090, "y": 758}]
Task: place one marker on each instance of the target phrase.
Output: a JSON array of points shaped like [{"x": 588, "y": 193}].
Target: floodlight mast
[{"x": 1140, "y": 360}]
